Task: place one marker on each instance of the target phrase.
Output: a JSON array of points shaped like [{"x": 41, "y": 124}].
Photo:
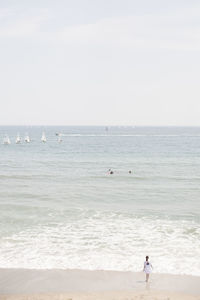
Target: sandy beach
[{"x": 79, "y": 284}]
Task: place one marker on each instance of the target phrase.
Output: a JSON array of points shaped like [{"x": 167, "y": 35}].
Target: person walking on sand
[{"x": 147, "y": 268}]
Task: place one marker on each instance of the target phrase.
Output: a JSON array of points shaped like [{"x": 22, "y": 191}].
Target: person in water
[
  {"x": 147, "y": 268},
  {"x": 110, "y": 172}
]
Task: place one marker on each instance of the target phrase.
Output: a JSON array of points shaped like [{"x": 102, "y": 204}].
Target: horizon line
[{"x": 90, "y": 125}]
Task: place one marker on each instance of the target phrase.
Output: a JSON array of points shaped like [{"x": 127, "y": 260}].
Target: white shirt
[{"x": 147, "y": 267}]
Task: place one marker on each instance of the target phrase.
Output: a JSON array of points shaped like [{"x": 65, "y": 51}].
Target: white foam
[{"x": 108, "y": 242}]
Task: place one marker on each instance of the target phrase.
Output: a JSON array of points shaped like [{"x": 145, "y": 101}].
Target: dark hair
[{"x": 147, "y": 258}]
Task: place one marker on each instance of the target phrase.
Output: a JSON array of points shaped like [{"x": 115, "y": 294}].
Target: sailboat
[
  {"x": 43, "y": 138},
  {"x": 6, "y": 140},
  {"x": 27, "y": 138},
  {"x": 60, "y": 139},
  {"x": 18, "y": 139}
]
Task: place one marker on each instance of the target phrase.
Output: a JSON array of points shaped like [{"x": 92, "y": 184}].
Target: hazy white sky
[{"x": 100, "y": 62}]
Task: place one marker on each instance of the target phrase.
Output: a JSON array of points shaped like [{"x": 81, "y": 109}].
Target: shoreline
[{"x": 85, "y": 284}]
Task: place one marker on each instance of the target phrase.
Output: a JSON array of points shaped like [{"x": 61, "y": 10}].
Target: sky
[{"x": 100, "y": 62}]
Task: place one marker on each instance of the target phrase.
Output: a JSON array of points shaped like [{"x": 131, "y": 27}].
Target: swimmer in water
[{"x": 110, "y": 172}]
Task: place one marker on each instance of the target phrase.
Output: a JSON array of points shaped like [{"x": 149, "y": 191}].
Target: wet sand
[{"x": 24, "y": 284}]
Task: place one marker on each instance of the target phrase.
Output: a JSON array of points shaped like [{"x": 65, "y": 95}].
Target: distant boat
[
  {"x": 43, "y": 138},
  {"x": 18, "y": 139},
  {"x": 6, "y": 140},
  {"x": 27, "y": 138},
  {"x": 60, "y": 140},
  {"x": 58, "y": 134}
]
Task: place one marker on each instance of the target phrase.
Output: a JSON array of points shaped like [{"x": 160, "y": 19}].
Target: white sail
[
  {"x": 18, "y": 139},
  {"x": 60, "y": 139},
  {"x": 43, "y": 138},
  {"x": 27, "y": 138},
  {"x": 6, "y": 140}
]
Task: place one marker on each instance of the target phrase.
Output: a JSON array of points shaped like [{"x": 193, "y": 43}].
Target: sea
[{"x": 60, "y": 208}]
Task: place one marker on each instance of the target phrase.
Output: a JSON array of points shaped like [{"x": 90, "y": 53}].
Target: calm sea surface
[{"x": 59, "y": 207}]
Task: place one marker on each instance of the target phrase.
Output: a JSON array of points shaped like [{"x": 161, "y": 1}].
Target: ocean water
[{"x": 59, "y": 207}]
